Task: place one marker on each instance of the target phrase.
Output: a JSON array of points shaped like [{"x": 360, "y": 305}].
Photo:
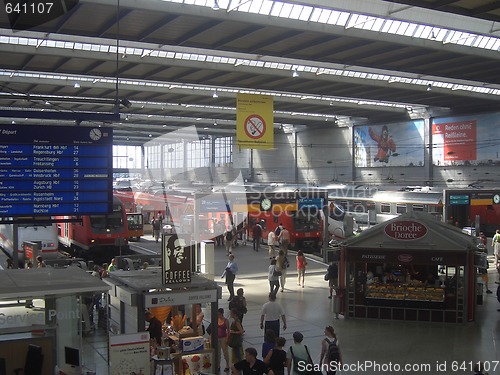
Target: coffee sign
[{"x": 405, "y": 230}]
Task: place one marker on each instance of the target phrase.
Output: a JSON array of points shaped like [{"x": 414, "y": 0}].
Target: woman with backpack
[{"x": 330, "y": 352}]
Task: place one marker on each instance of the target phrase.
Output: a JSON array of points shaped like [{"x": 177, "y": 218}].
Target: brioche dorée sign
[{"x": 405, "y": 230}]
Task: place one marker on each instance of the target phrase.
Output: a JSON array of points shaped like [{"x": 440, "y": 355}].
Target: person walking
[
  {"x": 228, "y": 240},
  {"x": 156, "y": 223},
  {"x": 332, "y": 274},
  {"x": 282, "y": 263},
  {"x": 257, "y": 236},
  {"x": 239, "y": 302},
  {"x": 297, "y": 355},
  {"x": 269, "y": 342},
  {"x": 301, "y": 267},
  {"x": 270, "y": 315},
  {"x": 244, "y": 232},
  {"x": 251, "y": 365},
  {"x": 330, "y": 351},
  {"x": 235, "y": 338},
  {"x": 154, "y": 328},
  {"x": 284, "y": 239},
  {"x": 222, "y": 334},
  {"x": 276, "y": 357},
  {"x": 230, "y": 274},
  {"x": 271, "y": 243},
  {"x": 273, "y": 277},
  {"x": 495, "y": 242}
]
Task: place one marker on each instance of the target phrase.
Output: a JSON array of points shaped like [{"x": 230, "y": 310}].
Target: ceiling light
[
  {"x": 215, "y": 95},
  {"x": 295, "y": 74},
  {"x": 215, "y": 123},
  {"x": 205, "y": 128},
  {"x": 47, "y": 102},
  {"x": 150, "y": 135},
  {"x": 216, "y": 5},
  {"x": 76, "y": 85},
  {"x": 13, "y": 122},
  {"x": 429, "y": 87}
]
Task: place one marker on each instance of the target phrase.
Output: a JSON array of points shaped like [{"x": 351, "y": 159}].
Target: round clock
[
  {"x": 95, "y": 134},
  {"x": 496, "y": 198},
  {"x": 265, "y": 204}
]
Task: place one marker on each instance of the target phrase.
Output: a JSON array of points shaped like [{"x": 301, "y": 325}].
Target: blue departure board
[{"x": 52, "y": 170}]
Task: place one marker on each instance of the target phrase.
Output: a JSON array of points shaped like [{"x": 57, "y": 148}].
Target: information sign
[{"x": 51, "y": 170}]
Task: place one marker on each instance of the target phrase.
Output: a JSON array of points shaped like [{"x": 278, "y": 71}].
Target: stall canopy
[
  {"x": 413, "y": 231},
  {"x": 48, "y": 282}
]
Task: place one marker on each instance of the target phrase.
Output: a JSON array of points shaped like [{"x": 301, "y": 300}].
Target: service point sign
[{"x": 405, "y": 230}]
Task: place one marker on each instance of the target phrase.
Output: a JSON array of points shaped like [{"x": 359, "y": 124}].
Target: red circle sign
[
  {"x": 405, "y": 230},
  {"x": 255, "y": 126}
]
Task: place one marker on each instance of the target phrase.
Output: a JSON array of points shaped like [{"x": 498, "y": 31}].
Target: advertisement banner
[
  {"x": 396, "y": 145},
  {"x": 176, "y": 260},
  {"x": 129, "y": 354},
  {"x": 254, "y": 121},
  {"x": 466, "y": 140}
]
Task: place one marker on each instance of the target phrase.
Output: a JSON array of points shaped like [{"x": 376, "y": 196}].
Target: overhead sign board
[
  {"x": 405, "y": 230},
  {"x": 52, "y": 170}
]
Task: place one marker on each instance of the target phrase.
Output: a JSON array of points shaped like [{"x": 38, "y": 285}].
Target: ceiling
[{"x": 173, "y": 56}]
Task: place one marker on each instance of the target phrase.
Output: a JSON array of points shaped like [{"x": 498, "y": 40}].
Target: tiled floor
[{"x": 368, "y": 346}]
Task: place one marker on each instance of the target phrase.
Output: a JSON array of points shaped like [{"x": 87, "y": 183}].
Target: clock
[
  {"x": 265, "y": 204},
  {"x": 95, "y": 134},
  {"x": 496, "y": 198}
]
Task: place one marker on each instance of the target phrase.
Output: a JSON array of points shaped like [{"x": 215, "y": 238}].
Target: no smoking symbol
[{"x": 255, "y": 126}]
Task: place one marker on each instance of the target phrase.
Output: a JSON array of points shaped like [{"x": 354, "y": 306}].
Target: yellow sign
[{"x": 254, "y": 121}]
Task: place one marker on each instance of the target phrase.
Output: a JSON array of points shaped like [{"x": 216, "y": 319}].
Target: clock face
[
  {"x": 95, "y": 134},
  {"x": 496, "y": 198},
  {"x": 265, "y": 204}
]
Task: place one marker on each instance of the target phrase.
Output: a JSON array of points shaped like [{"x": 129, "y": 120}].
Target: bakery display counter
[{"x": 404, "y": 296}]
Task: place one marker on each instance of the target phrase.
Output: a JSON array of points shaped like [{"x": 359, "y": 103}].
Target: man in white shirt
[
  {"x": 271, "y": 241},
  {"x": 270, "y": 316}
]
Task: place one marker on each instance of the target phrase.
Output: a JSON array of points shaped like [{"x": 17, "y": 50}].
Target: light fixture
[
  {"x": 215, "y": 123},
  {"x": 125, "y": 102},
  {"x": 76, "y": 85},
  {"x": 295, "y": 74},
  {"x": 429, "y": 87},
  {"x": 215, "y": 95},
  {"x": 216, "y": 5}
]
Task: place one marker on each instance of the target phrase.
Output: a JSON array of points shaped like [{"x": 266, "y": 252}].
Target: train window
[
  {"x": 358, "y": 206},
  {"x": 385, "y": 208},
  {"x": 370, "y": 206},
  {"x": 401, "y": 208},
  {"x": 418, "y": 207},
  {"x": 344, "y": 205}
]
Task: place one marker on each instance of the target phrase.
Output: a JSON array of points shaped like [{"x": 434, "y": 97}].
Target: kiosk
[
  {"x": 37, "y": 336},
  {"x": 411, "y": 268}
]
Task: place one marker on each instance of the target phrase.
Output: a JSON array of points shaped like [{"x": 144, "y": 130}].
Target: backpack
[
  {"x": 332, "y": 353},
  {"x": 229, "y": 235},
  {"x": 286, "y": 263}
]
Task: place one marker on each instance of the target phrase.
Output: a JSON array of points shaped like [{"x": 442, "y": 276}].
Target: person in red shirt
[{"x": 301, "y": 267}]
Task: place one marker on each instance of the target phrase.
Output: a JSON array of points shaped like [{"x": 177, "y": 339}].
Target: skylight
[
  {"x": 348, "y": 20},
  {"x": 168, "y": 52}
]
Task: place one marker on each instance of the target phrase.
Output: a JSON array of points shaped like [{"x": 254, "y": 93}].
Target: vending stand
[{"x": 411, "y": 268}]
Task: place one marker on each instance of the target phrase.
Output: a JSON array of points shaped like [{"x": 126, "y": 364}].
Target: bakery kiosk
[
  {"x": 136, "y": 291},
  {"x": 410, "y": 268}
]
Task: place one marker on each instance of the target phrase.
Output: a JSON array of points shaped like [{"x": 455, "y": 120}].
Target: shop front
[
  {"x": 411, "y": 268},
  {"x": 43, "y": 314}
]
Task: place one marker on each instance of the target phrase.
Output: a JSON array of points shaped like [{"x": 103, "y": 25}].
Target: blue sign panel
[
  {"x": 310, "y": 202},
  {"x": 51, "y": 171}
]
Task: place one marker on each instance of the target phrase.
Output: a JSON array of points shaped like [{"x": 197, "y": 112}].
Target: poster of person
[
  {"x": 461, "y": 140},
  {"x": 397, "y": 145},
  {"x": 176, "y": 256}
]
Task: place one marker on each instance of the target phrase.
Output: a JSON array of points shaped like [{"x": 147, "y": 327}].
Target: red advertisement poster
[{"x": 458, "y": 139}]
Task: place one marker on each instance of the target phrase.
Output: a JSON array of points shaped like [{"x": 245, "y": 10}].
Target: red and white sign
[
  {"x": 405, "y": 230},
  {"x": 255, "y": 126}
]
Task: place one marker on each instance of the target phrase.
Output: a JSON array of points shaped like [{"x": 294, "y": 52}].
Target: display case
[{"x": 405, "y": 296}]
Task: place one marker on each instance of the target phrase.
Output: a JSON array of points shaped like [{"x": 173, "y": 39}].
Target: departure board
[{"x": 52, "y": 170}]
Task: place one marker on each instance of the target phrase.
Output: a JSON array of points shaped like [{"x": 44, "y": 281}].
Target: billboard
[
  {"x": 466, "y": 140},
  {"x": 396, "y": 145}
]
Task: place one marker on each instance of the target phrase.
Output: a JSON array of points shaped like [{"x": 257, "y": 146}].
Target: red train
[{"x": 89, "y": 235}]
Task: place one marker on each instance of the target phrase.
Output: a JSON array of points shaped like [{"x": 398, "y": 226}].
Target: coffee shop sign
[{"x": 405, "y": 230}]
